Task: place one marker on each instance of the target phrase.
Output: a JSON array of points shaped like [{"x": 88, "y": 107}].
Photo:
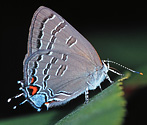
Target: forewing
[{"x": 49, "y": 30}]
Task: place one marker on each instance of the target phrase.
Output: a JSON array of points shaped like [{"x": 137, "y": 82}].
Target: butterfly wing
[
  {"x": 49, "y": 30},
  {"x": 59, "y": 75},
  {"x": 59, "y": 59}
]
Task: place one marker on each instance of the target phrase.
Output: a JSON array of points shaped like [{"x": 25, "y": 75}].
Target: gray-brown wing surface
[{"x": 49, "y": 30}]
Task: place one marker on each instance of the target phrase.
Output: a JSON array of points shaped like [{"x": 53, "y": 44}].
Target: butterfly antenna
[{"x": 109, "y": 61}]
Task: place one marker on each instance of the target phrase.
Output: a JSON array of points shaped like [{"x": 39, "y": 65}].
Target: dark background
[{"x": 87, "y": 17}]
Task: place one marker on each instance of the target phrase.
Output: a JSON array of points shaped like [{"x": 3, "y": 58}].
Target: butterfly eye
[{"x": 33, "y": 90}]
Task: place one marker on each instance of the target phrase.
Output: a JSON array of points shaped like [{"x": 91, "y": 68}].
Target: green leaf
[{"x": 105, "y": 108}]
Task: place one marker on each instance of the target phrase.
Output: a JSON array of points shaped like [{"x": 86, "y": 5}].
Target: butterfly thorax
[{"x": 98, "y": 76}]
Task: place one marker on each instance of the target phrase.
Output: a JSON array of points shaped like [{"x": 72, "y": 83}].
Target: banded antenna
[{"x": 109, "y": 61}]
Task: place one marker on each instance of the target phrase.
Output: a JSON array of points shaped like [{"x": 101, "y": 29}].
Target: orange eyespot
[
  {"x": 32, "y": 80},
  {"x": 34, "y": 88},
  {"x": 46, "y": 103}
]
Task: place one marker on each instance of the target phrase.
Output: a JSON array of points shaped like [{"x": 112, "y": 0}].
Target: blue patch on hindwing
[{"x": 38, "y": 100}]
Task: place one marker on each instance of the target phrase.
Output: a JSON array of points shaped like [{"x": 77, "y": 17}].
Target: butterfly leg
[
  {"x": 107, "y": 77},
  {"x": 86, "y": 95},
  {"x": 100, "y": 88}
]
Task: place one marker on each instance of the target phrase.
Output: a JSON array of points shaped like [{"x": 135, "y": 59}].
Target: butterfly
[{"x": 60, "y": 63}]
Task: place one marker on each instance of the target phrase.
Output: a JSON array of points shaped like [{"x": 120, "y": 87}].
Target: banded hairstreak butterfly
[{"x": 60, "y": 63}]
